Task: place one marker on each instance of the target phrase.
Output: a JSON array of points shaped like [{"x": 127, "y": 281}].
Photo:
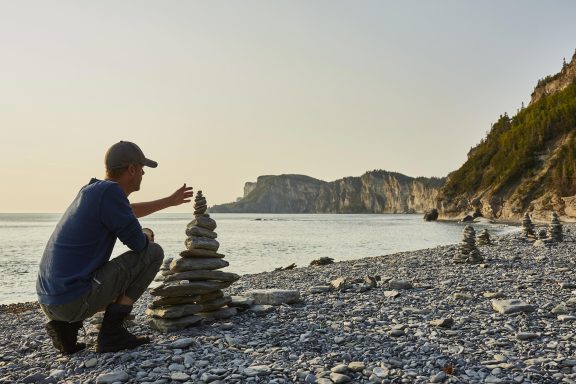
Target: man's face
[{"x": 137, "y": 172}]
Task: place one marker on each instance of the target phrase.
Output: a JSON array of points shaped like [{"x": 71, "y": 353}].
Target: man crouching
[{"x": 76, "y": 277}]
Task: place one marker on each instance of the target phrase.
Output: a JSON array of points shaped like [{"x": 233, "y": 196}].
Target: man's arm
[{"x": 181, "y": 196}]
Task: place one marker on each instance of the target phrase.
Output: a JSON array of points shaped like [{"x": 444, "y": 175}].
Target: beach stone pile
[
  {"x": 528, "y": 227},
  {"x": 484, "y": 238},
  {"x": 191, "y": 287},
  {"x": 467, "y": 251},
  {"x": 555, "y": 228}
]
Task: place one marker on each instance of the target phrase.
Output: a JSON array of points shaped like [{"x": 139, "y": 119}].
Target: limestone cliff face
[{"x": 373, "y": 192}]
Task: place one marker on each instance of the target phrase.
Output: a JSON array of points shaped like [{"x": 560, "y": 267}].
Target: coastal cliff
[
  {"x": 373, "y": 192},
  {"x": 526, "y": 163}
]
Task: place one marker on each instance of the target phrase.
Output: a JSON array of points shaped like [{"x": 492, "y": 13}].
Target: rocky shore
[{"x": 413, "y": 317}]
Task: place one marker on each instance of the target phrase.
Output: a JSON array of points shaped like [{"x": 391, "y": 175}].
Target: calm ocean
[{"x": 251, "y": 242}]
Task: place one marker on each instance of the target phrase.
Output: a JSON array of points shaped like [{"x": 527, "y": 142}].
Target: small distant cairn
[
  {"x": 467, "y": 251},
  {"x": 555, "y": 229},
  {"x": 528, "y": 227},
  {"x": 484, "y": 238},
  {"x": 191, "y": 287}
]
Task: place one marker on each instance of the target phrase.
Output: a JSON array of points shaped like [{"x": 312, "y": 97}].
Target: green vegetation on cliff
[{"x": 514, "y": 148}]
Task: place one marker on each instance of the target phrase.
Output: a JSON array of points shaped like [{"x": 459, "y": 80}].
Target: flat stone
[
  {"x": 179, "y": 376},
  {"x": 371, "y": 281},
  {"x": 34, "y": 378},
  {"x": 202, "y": 243},
  {"x": 57, "y": 373},
  {"x": 174, "y": 311},
  {"x": 261, "y": 309},
  {"x": 194, "y": 230},
  {"x": 356, "y": 366},
  {"x": 112, "y": 377},
  {"x": 91, "y": 363},
  {"x": 439, "y": 377},
  {"x": 340, "y": 368},
  {"x": 526, "y": 335},
  {"x": 566, "y": 318},
  {"x": 204, "y": 222},
  {"x": 511, "y": 306},
  {"x": 197, "y": 263},
  {"x": 171, "y": 325},
  {"x": 192, "y": 288},
  {"x": 338, "y": 378},
  {"x": 567, "y": 285},
  {"x": 340, "y": 283},
  {"x": 200, "y": 253},
  {"x": 462, "y": 296},
  {"x": 184, "y": 342},
  {"x": 241, "y": 302},
  {"x": 274, "y": 296},
  {"x": 399, "y": 284},
  {"x": 493, "y": 295},
  {"x": 319, "y": 289},
  {"x": 219, "y": 314},
  {"x": 194, "y": 299},
  {"x": 215, "y": 304},
  {"x": 203, "y": 274},
  {"x": 392, "y": 293},
  {"x": 176, "y": 367},
  {"x": 381, "y": 372},
  {"x": 443, "y": 323},
  {"x": 560, "y": 309},
  {"x": 257, "y": 370}
]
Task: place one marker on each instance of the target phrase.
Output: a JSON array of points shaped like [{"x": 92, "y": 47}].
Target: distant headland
[{"x": 526, "y": 163}]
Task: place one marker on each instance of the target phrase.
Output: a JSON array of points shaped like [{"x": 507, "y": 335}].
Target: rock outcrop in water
[{"x": 373, "y": 192}]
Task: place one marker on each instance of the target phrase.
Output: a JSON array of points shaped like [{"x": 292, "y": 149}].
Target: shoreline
[{"x": 370, "y": 335}]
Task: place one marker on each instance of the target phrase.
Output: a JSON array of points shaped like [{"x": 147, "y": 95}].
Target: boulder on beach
[{"x": 274, "y": 296}]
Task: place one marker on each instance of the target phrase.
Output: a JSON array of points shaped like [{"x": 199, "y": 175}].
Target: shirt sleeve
[{"x": 116, "y": 214}]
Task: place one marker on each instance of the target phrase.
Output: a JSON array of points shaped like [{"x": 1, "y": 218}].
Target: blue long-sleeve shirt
[{"x": 83, "y": 241}]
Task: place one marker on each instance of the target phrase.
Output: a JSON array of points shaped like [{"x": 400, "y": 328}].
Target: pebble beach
[{"x": 411, "y": 317}]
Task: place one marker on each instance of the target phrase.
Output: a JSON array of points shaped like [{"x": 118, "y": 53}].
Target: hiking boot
[
  {"x": 113, "y": 336},
  {"x": 64, "y": 336}
]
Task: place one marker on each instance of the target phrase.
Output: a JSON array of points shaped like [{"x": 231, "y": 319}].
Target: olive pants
[{"x": 128, "y": 274}]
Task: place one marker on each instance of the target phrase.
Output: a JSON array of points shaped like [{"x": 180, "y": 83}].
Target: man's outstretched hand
[{"x": 181, "y": 196}]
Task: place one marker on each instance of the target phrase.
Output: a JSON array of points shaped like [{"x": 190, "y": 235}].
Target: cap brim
[{"x": 150, "y": 163}]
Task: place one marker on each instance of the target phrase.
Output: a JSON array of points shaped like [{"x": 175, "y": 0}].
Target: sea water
[{"x": 252, "y": 243}]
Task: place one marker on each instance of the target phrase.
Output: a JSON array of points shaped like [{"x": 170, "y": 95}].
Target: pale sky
[{"x": 221, "y": 92}]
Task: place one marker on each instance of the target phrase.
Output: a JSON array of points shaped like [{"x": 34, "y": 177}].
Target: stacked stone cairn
[
  {"x": 528, "y": 227},
  {"x": 484, "y": 238},
  {"x": 467, "y": 251},
  {"x": 191, "y": 287},
  {"x": 555, "y": 229}
]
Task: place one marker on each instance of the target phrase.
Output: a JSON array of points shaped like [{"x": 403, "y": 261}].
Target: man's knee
[{"x": 156, "y": 254}]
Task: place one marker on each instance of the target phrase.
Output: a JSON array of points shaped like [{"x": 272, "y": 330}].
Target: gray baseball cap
[{"x": 124, "y": 153}]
